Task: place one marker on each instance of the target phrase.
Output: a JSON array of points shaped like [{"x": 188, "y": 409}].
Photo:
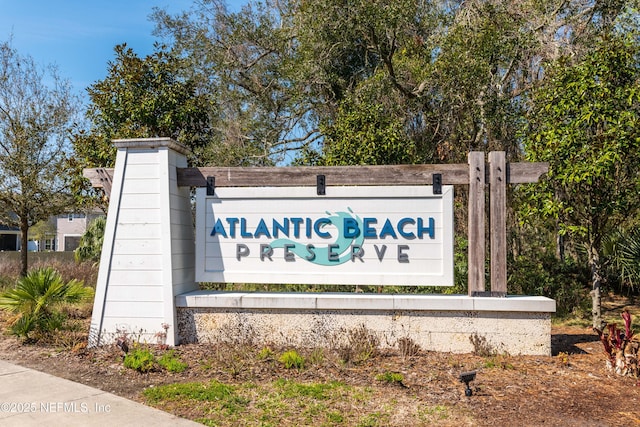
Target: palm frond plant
[
  {"x": 622, "y": 251},
  {"x": 36, "y": 298}
]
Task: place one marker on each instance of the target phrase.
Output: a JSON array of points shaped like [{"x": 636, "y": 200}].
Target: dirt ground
[{"x": 570, "y": 388}]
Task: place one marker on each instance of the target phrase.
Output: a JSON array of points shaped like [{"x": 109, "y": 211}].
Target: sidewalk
[{"x": 32, "y": 398}]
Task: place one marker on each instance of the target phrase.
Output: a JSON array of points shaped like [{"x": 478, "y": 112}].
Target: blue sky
[{"x": 79, "y": 35}]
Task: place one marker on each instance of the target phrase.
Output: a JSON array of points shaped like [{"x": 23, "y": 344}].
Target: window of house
[{"x": 49, "y": 244}]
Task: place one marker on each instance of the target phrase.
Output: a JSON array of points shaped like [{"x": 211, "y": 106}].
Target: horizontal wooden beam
[
  {"x": 335, "y": 175},
  {"x": 452, "y": 174},
  {"x": 526, "y": 172}
]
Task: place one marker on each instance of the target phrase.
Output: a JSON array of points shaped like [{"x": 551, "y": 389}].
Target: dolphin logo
[{"x": 322, "y": 254}]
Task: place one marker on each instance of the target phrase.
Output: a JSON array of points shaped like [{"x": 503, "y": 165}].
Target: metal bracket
[
  {"x": 321, "y": 185},
  {"x": 437, "y": 183},
  {"x": 211, "y": 186}
]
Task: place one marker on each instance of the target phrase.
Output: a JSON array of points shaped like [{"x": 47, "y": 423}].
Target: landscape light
[{"x": 466, "y": 378}]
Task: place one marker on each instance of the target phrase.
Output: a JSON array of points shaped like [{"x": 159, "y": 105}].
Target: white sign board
[{"x": 352, "y": 235}]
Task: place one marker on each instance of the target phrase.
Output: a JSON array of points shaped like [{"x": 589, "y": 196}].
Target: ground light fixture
[{"x": 466, "y": 378}]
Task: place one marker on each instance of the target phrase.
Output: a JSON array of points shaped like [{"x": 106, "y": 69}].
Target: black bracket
[
  {"x": 437, "y": 183},
  {"x": 211, "y": 186},
  {"x": 321, "y": 185}
]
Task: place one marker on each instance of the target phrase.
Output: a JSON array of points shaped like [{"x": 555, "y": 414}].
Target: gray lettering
[{"x": 241, "y": 251}]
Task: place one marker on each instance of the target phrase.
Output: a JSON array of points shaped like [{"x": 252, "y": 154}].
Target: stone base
[{"x": 446, "y": 323}]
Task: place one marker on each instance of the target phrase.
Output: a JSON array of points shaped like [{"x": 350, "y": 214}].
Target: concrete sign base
[{"x": 448, "y": 323}]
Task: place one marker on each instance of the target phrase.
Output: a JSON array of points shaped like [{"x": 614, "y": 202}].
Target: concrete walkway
[{"x": 32, "y": 398}]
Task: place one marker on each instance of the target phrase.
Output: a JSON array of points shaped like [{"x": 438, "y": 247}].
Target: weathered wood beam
[
  {"x": 340, "y": 175},
  {"x": 523, "y": 172},
  {"x": 452, "y": 174},
  {"x": 95, "y": 175}
]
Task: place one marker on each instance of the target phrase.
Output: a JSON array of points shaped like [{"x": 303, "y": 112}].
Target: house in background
[
  {"x": 9, "y": 238},
  {"x": 60, "y": 233},
  {"x": 69, "y": 228}
]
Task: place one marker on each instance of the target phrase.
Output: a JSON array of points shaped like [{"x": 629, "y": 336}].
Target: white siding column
[{"x": 148, "y": 251}]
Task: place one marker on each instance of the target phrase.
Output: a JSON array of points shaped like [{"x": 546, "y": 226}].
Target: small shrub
[
  {"x": 140, "y": 359},
  {"x": 390, "y": 377},
  {"x": 408, "y": 347},
  {"x": 171, "y": 362},
  {"x": 481, "y": 347},
  {"x": 234, "y": 358},
  {"x": 265, "y": 354},
  {"x": 362, "y": 344},
  {"x": 498, "y": 362},
  {"x": 317, "y": 356},
  {"x": 291, "y": 359}
]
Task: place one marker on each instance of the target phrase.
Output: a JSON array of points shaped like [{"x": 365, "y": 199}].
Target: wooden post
[
  {"x": 476, "y": 223},
  {"x": 498, "y": 222}
]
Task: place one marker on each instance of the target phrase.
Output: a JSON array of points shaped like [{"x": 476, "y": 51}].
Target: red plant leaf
[{"x": 628, "y": 332}]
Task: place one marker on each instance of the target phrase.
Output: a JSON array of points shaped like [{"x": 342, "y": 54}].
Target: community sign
[{"x": 352, "y": 235}]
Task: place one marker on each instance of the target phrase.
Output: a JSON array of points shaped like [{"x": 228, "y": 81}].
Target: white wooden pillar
[{"x": 148, "y": 251}]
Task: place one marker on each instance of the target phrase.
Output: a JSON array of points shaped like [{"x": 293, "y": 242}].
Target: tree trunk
[
  {"x": 596, "y": 295},
  {"x": 24, "y": 249}
]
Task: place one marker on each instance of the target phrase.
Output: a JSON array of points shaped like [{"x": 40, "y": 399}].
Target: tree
[
  {"x": 586, "y": 124},
  {"x": 145, "y": 97},
  {"x": 37, "y": 109},
  {"x": 247, "y": 59}
]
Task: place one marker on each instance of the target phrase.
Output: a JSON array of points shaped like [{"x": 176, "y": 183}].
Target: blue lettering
[
  {"x": 318, "y": 225},
  {"x": 368, "y": 231},
  {"x": 351, "y": 228},
  {"x": 243, "y": 228},
  {"x": 262, "y": 229},
  {"x": 401, "y": 225},
  {"x": 387, "y": 230},
  {"x": 430, "y": 229},
  {"x": 296, "y": 226},
  {"x": 232, "y": 226},
  {"x": 219, "y": 229},
  {"x": 308, "y": 227},
  {"x": 284, "y": 227}
]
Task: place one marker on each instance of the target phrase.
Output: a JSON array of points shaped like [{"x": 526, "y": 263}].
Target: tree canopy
[
  {"x": 141, "y": 98},
  {"x": 455, "y": 76}
]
